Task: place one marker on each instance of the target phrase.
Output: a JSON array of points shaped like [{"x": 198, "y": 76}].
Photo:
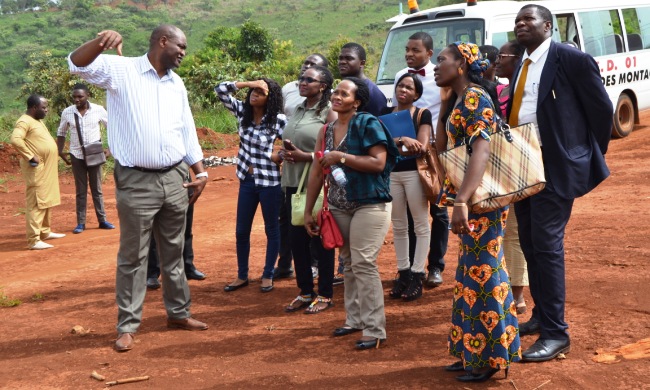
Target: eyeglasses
[
  {"x": 501, "y": 55},
  {"x": 307, "y": 80}
]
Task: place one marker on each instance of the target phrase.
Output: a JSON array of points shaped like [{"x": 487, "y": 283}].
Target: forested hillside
[{"x": 61, "y": 26}]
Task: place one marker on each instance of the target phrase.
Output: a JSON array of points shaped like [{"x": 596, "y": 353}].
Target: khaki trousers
[
  {"x": 363, "y": 230},
  {"x": 37, "y": 220},
  {"x": 150, "y": 203},
  {"x": 514, "y": 256}
]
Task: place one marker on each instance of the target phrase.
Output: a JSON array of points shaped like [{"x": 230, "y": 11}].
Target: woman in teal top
[
  {"x": 299, "y": 139},
  {"x": 360, "y": 145}
]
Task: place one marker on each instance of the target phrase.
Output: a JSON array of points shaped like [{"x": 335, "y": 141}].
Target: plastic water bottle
[{"x": 338, "y": 174}]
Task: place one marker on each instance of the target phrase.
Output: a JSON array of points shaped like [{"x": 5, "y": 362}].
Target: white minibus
[{"x": 615, "y": 32}]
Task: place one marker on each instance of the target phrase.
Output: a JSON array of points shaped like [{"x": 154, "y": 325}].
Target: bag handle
[
  {"x": 81, "y": 140},
  {"x": 302, "y": 178},
  {"x": 418, "y": 120}
]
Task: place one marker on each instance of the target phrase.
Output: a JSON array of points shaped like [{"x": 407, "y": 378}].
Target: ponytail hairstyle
[{"x": 327, "y": 79}]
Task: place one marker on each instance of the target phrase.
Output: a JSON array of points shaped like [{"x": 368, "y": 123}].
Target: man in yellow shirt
[{"x": 39, "y": 166}]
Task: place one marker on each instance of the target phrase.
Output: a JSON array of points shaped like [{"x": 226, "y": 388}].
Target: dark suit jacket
[{"x": 575, "y": 116}]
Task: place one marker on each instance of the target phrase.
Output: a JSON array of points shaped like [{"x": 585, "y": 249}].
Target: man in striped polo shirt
[
  {"x": 90, "y": 117},
  {"x": 152, "y": 137}
]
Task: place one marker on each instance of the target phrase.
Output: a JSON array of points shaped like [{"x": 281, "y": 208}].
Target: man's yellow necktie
[{"x": 513, "y": 119}]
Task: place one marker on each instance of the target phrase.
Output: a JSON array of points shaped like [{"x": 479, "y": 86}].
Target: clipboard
[{"x": 399, "y": 124}]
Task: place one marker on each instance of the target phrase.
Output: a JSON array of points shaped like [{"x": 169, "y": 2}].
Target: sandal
[
  {"x": 401, "y": 284},
  {"x": 521, "y": 307},
  {"x": 313, "y": 308},
  {"x": 304, "y": 300},
  {"x": 414, "y": 290}
]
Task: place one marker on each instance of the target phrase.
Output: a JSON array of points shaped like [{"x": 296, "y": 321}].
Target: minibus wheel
[{"x": 623, "y": 117}]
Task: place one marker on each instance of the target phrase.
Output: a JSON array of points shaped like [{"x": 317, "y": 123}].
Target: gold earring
[
  {"x": 321, "y": 89},
  {"x": 460, "y": 71}
]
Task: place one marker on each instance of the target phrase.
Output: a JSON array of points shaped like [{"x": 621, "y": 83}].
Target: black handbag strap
[{"x": 81, "y": 140}]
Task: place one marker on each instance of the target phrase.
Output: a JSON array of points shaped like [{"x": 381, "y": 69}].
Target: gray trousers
[
  {"x": 363, "y": 230},
  {"x": 150, "y": 203},
  {"x": 83, "y": 176}
]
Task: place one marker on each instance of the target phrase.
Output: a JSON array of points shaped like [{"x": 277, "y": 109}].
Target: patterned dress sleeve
[{"x": 478, "y": 111}]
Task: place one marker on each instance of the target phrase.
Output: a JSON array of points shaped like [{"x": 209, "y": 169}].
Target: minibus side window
[
  {"x": 602, "y": 32},
  {"x": 637, "y": 28},
  {"x": 566, "y": 30}
]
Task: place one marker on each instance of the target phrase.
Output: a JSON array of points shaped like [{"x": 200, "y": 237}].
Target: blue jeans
[{"x": 250, "y": 195}]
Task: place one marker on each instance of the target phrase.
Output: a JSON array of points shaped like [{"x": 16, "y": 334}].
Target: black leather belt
[{"x": 157, "y": 170}]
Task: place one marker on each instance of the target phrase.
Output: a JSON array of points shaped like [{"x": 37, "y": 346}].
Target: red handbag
[{"x": 330, "y": 234}]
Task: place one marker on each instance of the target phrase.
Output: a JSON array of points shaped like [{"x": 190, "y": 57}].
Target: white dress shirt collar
[{"x": 536, "y": 55}]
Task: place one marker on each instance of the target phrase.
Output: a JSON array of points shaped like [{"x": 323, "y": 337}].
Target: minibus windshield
[{"x": 442, "y": 32}]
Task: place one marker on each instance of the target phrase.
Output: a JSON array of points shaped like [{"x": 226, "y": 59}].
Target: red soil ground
[{"x": 253, "y": 343}]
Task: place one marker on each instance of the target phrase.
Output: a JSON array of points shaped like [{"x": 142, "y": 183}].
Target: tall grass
[{"x": 219, "y": 119}]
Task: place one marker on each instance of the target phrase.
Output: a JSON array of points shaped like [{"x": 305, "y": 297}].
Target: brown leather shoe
[
  {"x": 124, "y": 342},
  {"x": 188, "y": 323}
]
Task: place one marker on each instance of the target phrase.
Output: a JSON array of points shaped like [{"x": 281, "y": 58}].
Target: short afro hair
[{"x": 362, "y": 93}]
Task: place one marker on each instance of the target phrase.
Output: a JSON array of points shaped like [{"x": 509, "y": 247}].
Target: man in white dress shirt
[
  {"x": 91, "y": 116},
  {"x": 152, "y": 136},
  {"x": 419, "y": 50}
]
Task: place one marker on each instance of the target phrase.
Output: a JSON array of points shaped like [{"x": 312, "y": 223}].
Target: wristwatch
[{"x": 343, "y": 159}]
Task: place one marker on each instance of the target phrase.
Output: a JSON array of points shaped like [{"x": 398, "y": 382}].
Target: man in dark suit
[{"x": 559, "y": 89}]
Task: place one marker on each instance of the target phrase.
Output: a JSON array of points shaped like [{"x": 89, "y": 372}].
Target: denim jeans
[{"x": 250, "y": 196}]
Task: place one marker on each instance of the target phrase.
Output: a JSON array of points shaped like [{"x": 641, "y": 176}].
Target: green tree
[
  {"x": 243, "y": 53},
  {"x": 50, "y": 77},
  {"x": 333, "y": 51},
  {"x": 255, "y": 43}
]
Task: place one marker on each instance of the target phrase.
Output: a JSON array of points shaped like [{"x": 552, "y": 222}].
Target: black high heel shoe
[
  {"x": 481, "y": 377},
  {"x": 458, "y": 366}
]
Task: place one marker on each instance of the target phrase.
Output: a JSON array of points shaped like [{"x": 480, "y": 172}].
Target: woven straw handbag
[{"x": 514, "y": 172}]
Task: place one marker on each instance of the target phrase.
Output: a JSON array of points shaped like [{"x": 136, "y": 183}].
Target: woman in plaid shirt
[{"x": 261, "y": 121}]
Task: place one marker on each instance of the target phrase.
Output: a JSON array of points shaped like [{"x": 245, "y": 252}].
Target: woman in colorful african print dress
[{"x": 484, "y": 328}]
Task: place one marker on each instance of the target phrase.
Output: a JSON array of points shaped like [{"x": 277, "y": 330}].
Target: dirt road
[{"x": 253, "y": 343}]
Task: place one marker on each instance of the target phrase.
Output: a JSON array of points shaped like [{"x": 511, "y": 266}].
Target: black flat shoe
[
  {"x": 194, "y": 275},
  {"x": 230, "y": 287},
  {"x": 345, "y": 330},
  {"x": 482, "y": 377},
  {"x": 267, "y": 288},
  {"x": 458, "y": 366},
  {"x": 369, "y": 344}
]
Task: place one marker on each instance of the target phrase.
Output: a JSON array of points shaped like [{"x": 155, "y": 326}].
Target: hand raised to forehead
[{"x": 261, "y": 84}]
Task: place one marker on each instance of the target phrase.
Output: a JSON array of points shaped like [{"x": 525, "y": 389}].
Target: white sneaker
[
  {"x": 53, "y": 235},
  {"x": 41, "y": 245}
]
